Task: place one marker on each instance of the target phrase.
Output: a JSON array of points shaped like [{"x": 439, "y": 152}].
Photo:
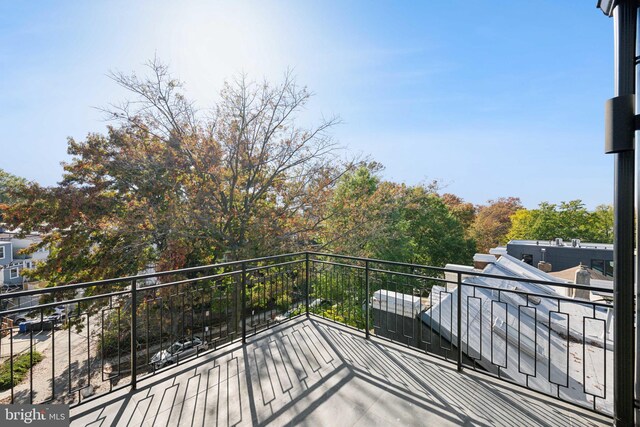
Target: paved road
[
  {"x": 64, "y": 351},
  {"x": 65, "y": 366}
]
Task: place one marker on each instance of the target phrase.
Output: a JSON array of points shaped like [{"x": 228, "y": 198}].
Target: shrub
[{"x": 21, "y": 365}]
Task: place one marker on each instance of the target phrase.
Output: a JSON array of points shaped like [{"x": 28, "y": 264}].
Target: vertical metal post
[
  {"x": 134, "y": 335},
  {"x": 625, "y": 20},
  {"x": 11, "y": 363},
  {"x": 366, "y": 300},
  {"x": 31, "y": 363},
  {"x": 459, "y": 316},
  {"x": 244, "y": 302},
  {"x": 306, "y": 283},
  {"x": 637, "y": 236}
]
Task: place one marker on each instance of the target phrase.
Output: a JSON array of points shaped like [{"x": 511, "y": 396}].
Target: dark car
[{"x": 17, "y": 318}]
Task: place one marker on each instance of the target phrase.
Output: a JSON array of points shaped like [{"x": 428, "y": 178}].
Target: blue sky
[{"x": 492, "y": 101}]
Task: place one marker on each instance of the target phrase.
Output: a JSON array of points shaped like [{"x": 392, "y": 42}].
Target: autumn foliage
[{"x": 170, "y": 186}]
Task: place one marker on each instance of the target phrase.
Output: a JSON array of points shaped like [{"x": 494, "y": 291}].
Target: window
[
  {"x": 597, "y": 265},
  {"x": 603, "y": 267},
  {"x": 1, "y": 251},
  {"x": 13, "y": 273},
  {"x": 609, "y": 266},
  {"x": 528, "y": 258}
]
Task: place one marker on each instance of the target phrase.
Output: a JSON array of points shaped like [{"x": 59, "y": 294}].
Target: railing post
[
  {"x": 366, "y": 300},
  {"x": 625, "y": 23},
  {"x": 11, "y": 371},
  {"x": 306, "y": 282},
  {"x": 134, "y": 335},
  {"x": 459, "y": 316},
  {"x": 244, "y": 302}
]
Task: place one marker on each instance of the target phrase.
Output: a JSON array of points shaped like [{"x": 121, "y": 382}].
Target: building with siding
[
  {"x": 563, "y": 255},
  {"x": 13, "y": 261}
]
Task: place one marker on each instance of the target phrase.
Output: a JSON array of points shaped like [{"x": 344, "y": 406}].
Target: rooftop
[
  {"x": 549, "y": 332},
  {"x": 570, "y": 273},
  {"x": 315, "y": 372},
  {"x": 562, "y": 244}
]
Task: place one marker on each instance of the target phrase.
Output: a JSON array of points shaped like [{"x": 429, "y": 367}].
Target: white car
[
  {"x": 181, "y": 349},
  {"x": 61, "y": 312}
]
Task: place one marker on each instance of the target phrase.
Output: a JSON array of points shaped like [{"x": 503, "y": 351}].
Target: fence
[{"x": 95, "y": 335}]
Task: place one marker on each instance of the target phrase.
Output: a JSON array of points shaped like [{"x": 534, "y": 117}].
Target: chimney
[
  {"x": 545, "y": 266},
  {"x": 582, "y": 277},
  {"x": 480, "y": 261}
]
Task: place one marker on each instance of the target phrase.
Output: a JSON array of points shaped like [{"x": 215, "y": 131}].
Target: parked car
[
  {"x": 17, "y": 318},
  {"x": 56, "y": 319},
  {"x": 180, "y": 349},
  {"x": 61, "y": 311}
]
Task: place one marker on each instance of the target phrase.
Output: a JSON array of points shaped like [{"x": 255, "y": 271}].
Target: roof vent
[
  {"x": 575, "y": 243},
  {"x": 558, "y": 241}
]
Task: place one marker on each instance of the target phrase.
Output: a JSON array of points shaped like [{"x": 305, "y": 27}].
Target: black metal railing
[
  {"x": 529, "y": 332},
  {"x": 101, "y": 336}
]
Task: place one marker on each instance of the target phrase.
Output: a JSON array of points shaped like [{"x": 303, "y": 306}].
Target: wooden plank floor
[{"x": 311, "y": 372}]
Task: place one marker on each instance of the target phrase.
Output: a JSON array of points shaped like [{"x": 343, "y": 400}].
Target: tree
[
  {"x": 381, "y": 219},
  {"x": 437, "y": 236},
  {"x": 568, "y": 220},
  {"x": 522, "y": 221},
  {"x": 493, "y": 222},
  {"x": 173, "y": 187},
  {"x": 543, "y": 223},
  {"x": 11, "y": 187},
  {"x": 465, "y": 212},
  {"x": 359, "y": 212},
  {"x": 602, "y": 223}
]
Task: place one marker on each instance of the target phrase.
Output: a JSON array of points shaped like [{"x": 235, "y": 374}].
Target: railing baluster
[
  {"x": 148, "y": 326},
  {"x": 306, "y": 283},
  {"x": 244, "y": 302},
  {"x": 11, "y": 361},
  {"x": 459, "y": 315},
  {"x": 69, "y": 370},
  {"x": 53, "y": 362},
  {"x": 161, "y": 323},
  {"x": 366, "y": 299},
  {"x": 134, "y": 335},
  {"x": 31, "y": 360},
  {"x": 88, "y": 350}
]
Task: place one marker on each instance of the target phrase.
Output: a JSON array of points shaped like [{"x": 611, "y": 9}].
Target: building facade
[
  {"x": 563, "y": 255},
  {"x": 13, "y": 261}
]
